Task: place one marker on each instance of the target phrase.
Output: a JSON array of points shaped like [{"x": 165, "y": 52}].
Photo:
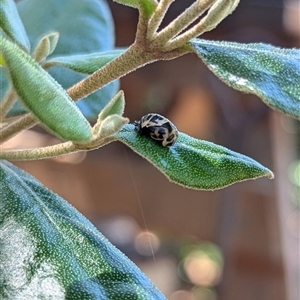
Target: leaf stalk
[{"x": 54, "y": 150}]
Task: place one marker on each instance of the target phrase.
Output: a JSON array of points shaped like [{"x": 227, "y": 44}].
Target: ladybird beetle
[{"x": 158, "y": 128}]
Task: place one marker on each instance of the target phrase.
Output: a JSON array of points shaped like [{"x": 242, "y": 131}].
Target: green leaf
[
  {"x": 111, "y": 125},
  {"x": 193, "y": 163},
  {"x": 84, "y": 27},
  {"x": 43, "y": 96},
  {"x": 115, "y": 106},
  {"x": 12, "y": 25},
  {"x": 45, "y": 46},
  {"x": 132, "y": 3},
  {"x": 148, "y": 6},
  {"x": 271, "y": 73},
  {"x": 110, "y": 119},
  {"x": 50, "y": 251},
  {"x": 84, "y": 63}
]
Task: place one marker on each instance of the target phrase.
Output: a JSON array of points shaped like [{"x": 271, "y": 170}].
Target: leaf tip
[{"x": 270, "y": 174}]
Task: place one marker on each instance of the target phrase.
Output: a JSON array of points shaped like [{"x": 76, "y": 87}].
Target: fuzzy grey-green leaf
[
  {"x": 47, "y": 242},
  {"x": 271, "y": 73},
  {"x": 12, "y": 25},
  {"x": 105, "y": 124},
  {"x": 115, "y": 106},
  {"x": 43, "y": 96},
  {"x": 111, "y": 125},
  {"x": 45, "y": 46},
  {"x": 194, "y": 163},
  {"x": 92, "y": 30}
]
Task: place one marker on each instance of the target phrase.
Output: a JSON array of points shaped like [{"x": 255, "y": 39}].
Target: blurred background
[{"x": 241, "y": 242}]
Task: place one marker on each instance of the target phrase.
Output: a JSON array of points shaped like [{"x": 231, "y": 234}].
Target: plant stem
[
  {"x": 119, "y": 67},
  {"x": 183, "y": 20},
  {"x": 39, "y": 153},
  {"x": 7, "y": 102},
  {"x": 219, "y": 10},
  {"x": 157, "y": 18},
  {"x": 135, "y": 57},
  {"x": 54, "y": 150},
  {"x": 25, "y": 122}
]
